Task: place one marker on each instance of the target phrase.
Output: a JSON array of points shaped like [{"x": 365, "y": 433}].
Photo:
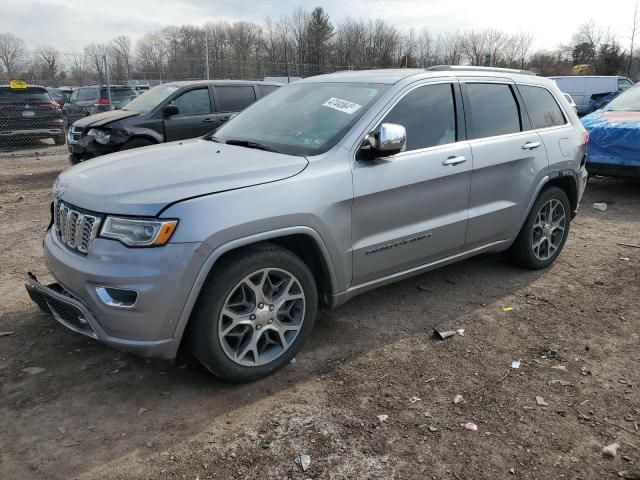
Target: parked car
[
  {"x": 57, "y": 96},
  {"x": 327, "y": 188},
  {"x": 66, "y": 91},
  {"x": 168, "y": 112},
  {"x": 29, "y": 113},
  {"x": 614, "y": 137},
  {"x": 570, "y": 101},
  {"x": 86, "y": 101},
  {"x": 587, "y": 89}
]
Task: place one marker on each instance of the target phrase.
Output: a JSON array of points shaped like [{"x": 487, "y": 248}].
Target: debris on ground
[
  {"x": 62, "y": 430},
  {"x": 471, "y": 426},
  {"x": 34, "y": 370},
  {"x": 383, "y": 418},
  {"x": 414, "y": 399},
  {"x": 425, "y": 288},
  {"x": 629, "y": 475},
  {"x": 141, "y": 410},
  {"x": 444, "y": 334},
  {"x": 632, "y": 245},
  {"x": 458, "y": 399},
  {"x": 541, "y": 401},
  {"x": 6, "y": 334},
  {"x": 611, "y": 450},
  {"x": 601, "y": 206},
  {"x": 304, "y": 461},
  {"x": 515, "y": 364},
  {"x": 559, "y": 367},
  {"x": 507, "y": 309}
]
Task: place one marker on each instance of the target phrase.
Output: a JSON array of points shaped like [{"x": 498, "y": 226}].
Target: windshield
[
  {"x": 151, "y": 98},
  {"x": 301, "y": 118},
  {"x": 627, "y": 101}
]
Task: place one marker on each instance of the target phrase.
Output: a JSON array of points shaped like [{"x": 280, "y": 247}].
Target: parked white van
[{"x": 584, "y": 89}]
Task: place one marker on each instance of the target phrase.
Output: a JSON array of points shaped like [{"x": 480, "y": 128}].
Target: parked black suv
[
  {"x": 29, "y": 113},
  {"x": 85, "y": 101},
  {"x": 168, "y": 112}
]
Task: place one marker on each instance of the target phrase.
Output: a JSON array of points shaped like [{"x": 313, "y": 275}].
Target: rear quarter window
[
  {"x": 267, "y": 89},
  {"x": 494, "y": 110},
  {"x": 86, "y": 94},
  {"x": 543, "y": 110}
]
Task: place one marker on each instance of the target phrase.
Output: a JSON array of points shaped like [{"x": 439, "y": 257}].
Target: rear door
[
  {"x": 232, "y": 99},
  {"x": 507, "y": 159},
  {"x": 552, "y": 124},
  {"x": 195, "y": 115},
  {"x": 411, "y": 208}
]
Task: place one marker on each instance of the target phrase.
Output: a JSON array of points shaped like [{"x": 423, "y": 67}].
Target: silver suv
[{"x": 325, "y": 189}]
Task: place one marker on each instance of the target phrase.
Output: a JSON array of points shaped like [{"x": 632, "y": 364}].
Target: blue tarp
[{"x": 614, "y": 137}]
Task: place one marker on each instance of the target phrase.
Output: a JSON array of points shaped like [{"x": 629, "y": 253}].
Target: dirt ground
[{"x": 95, "y": 413}]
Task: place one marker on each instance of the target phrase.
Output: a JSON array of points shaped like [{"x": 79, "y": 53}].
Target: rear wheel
[
  {"x": 545, "y": 231},
  {"x": 136, "y": 143},
  {"x": 254, "y": 313}
]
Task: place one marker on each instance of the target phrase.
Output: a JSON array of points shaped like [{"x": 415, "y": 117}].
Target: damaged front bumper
[
  {"x": 75, "y": 315},
  {"x": 84, "y": 147}
]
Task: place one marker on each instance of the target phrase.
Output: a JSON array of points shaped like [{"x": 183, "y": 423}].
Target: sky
[{"x": 71, "y": 24}]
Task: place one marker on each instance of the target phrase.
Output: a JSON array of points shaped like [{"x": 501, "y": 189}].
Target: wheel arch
[{"x": 301, "y": 240}]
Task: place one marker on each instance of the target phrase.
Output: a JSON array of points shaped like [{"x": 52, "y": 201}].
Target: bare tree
[
  {"x": 94, "y": 54},
  {"x": 48, "y": 56},
  {"x": 120, "y": 57},
  {"x": 12, "y": 53}
]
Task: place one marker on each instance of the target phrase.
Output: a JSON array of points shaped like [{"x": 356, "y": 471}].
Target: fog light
[{"x": 117, "y": 297}]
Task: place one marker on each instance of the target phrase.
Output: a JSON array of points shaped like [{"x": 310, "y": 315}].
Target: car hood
[
  {"x": 104, "y": 118},
  {"x": 143, "y": 181}
]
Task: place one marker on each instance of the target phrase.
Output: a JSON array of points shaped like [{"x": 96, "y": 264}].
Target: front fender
[{"x": 215, "y": 255}]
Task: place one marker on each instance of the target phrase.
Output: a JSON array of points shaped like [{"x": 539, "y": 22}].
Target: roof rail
[{"x": 453, "y": 68}]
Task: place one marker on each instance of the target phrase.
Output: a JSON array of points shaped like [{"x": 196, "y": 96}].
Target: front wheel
[
  {"x": 254, "y": 313},
  {"x": 545, "y": 231}
]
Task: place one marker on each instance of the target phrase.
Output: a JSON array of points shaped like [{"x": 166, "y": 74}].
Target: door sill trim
[{"x": 354, "y": 290}]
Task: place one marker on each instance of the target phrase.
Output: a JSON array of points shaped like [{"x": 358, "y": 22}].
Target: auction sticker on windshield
[{"x": 341, "y": 105}]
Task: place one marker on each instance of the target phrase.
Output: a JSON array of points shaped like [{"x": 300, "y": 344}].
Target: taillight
[
  {"x": 101, "y": 102},
  {"x": 585, "y": 138}
]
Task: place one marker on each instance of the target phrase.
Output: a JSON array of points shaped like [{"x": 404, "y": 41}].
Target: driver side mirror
[
  {"x": 388, "y": 139},
  {"x": 170, "y": 110}
]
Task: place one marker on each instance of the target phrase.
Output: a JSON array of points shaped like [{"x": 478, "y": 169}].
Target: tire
[
  {"x": 219, "y": 345},
  {"x": 60, "y": 139},
  {"x": 539, "y": 243},
  {"x": 136, "y": 143}
]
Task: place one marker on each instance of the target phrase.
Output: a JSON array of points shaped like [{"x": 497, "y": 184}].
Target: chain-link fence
[{"x": 40, "y": 99}]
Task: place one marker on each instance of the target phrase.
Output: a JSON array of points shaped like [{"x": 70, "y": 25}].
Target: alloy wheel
[
  {"x": 261, "y": 317},
  {"x": 549, "y": 229}
]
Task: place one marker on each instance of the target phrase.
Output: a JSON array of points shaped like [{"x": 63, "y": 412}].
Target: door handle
[
  {"x": 454, "y": 161},
  {"x": 530, "y": 145},
  {"x": 208, "y": 120}
]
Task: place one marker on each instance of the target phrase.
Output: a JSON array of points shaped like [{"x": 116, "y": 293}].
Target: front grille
[{"x": 75, "y": 228}]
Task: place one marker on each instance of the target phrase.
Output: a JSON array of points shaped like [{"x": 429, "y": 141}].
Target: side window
[
  {"x": 624, "y": 84},
  {"x": 193, "y": 102},
  {"x": 234, "y": 98},
  {"x": 87, "y": 94},
  {"x": 267, "y": 89},
  {"x": 428, "y": 114},
  {"x": 494, "y": 110},
  {"x": 542, "y": 108},
  {"x": 74, "y": 96}
]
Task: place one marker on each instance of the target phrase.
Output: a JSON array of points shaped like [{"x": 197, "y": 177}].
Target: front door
[
  {"x": 195, "y": 115},
  {"x": 411, "y": 208}
]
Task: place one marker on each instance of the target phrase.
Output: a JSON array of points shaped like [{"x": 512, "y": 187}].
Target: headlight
[
  {"x": 138, "y": 232},
  {"x": 99, "y": 136}
]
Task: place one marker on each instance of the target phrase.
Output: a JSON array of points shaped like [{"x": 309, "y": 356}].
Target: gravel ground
[{"x": 370, "y": 395}]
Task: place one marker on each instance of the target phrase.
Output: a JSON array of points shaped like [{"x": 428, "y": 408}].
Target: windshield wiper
[{"x": 250, "y": 144}]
